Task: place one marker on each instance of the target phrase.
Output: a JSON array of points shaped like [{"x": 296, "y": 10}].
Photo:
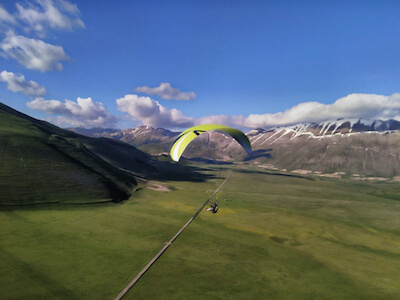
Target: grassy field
[{"x": 275, "y": 236}]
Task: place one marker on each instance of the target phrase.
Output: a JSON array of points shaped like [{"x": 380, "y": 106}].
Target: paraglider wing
[{"x": 190, "y": 134}]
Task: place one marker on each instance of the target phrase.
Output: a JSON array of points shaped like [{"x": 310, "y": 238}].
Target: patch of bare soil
[
  {"x": 303, "y": 172},
  {"x": 158, "y": 187}
]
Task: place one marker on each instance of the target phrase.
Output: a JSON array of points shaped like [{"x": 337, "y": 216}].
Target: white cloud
[
  {"x": 5, "y": 17},
  {"x": 352, "y": 106},
  {"x": 214, "y": 119},
  {"x": 166, "y": 91},
  {"x": 57, "y": 14},
  {"x": 18, "y": 83},
  {"x": 38, "y": 16},
  {"x": 370, "y": 106},
  {"x": 84, "y": 112},
  {"x": 150, "y": 112},
  {"x": 33, "y": 54}
]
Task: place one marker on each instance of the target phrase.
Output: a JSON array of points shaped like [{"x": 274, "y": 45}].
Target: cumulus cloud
[
  {"x": 150, "y": 112},
  {"x": 166, "y": 91},
  {"x": 32, "y": 53},
  {"x": 368, "y": 106},
  {"x": 57, "y": 14},
  {"x": 147, "y": 111},
  {"x": 352, "y": 106},
  {"x": 84, "y": 112},
  {"x": 18, "y": 83},
  {"x": 214, "y": 119}
]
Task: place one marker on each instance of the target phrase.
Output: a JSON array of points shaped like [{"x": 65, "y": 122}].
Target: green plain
[{"x": 275, "y": 237}]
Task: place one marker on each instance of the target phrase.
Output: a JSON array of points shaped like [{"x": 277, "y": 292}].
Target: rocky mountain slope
[
  {"x": 146, "y": 138},
  {"x": 361, "y": 147},
  {"x": 350, "y": 146}
]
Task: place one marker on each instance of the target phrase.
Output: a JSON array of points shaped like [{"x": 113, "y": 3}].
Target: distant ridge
[
  {"x": 361, "y": 147},
  {"x": 342, "y": 126},
  {"x": 358, "y": 147}
]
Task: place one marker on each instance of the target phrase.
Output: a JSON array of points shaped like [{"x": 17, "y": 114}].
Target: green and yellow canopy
[{"x": 190, "y": 134}]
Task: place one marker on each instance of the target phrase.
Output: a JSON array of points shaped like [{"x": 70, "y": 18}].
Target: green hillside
[{"x": 40, "y": 162}]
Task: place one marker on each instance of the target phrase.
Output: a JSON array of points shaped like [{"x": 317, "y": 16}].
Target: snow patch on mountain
[{"x": 322, "y": 130}]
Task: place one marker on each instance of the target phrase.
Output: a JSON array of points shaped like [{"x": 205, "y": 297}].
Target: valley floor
[{"x": 276, "y": 235}]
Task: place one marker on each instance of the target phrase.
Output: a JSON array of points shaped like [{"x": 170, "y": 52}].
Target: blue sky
[{"x": 175, "y": 64}]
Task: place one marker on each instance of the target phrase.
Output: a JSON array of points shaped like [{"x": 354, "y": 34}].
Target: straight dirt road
[{"x": 153, "y": 260}]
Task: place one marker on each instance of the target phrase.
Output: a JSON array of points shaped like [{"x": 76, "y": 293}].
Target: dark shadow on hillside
[
  {"x": 274, "y": 174},
  {"x": 257, "y": 154},
  {"x": 209, "y": 161},
  {"x": 168, "y": 171}
]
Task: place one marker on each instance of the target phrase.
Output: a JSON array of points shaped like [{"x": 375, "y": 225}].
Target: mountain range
[{"x": 354, "y": 147}]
